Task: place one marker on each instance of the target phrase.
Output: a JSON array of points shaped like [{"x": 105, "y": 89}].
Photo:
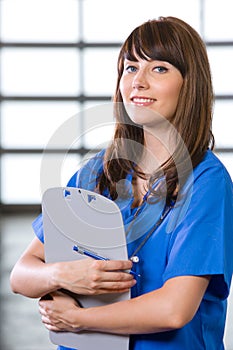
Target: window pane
[
  {"x": 57, "y": 169},
  {"x": 32, "y": 124},
  {"x": 223, "y": 123},
  {"x": 221, "y": 62},
  {"x": 98, "y": 125},
  {"x": 100, "y": 71},
  {"x": 70, "y": 165},
  {"x": 39, "y": 21},
  {"x": 40, "y": 71},
  {"x": 218, "y": 20},
  {"x": 123, "y": 16},
  {"x": 21, "y": 181}
]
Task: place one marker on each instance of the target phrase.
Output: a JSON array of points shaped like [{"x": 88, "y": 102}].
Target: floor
[
  {"x": 21, "y": 328},
  {"x": 20, "y": 324}
]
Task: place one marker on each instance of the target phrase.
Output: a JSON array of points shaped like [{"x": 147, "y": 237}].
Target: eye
[
  {"x": 160, "y": 69},
  {"x": 131, "y": 69}
]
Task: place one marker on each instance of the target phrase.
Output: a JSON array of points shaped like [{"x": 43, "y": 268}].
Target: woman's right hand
[
  {"x": 94, "y": 277},
  {"x": 34, "y": 278}
]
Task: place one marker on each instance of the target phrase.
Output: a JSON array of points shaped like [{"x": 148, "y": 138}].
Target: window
[{"x": 57, "y": 77}]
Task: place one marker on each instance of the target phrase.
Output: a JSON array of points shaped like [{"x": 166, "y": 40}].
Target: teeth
[{"x": 142, "y": 100}]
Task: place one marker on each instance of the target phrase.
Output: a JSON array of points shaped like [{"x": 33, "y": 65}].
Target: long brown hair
[{"x": 168, "y": 39}]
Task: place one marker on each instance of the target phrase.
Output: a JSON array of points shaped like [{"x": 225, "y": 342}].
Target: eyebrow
[{"x": 151, "y": 60}]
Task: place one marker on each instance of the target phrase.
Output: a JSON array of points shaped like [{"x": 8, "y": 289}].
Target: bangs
[{"x": 158, "y": 43}]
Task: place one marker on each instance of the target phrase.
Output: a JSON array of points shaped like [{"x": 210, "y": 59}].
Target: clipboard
[{"x": 78, "y": 216}]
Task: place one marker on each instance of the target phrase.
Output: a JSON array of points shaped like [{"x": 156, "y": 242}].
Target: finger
[
  {"x": 42, "y": 311},
  {"x": 45, "y": 320},
  {"x": 52, "y": 327},
  {"x": 53, "y": 324},
  {"x": 63, "y": 328},
  {"x": 109, "y": 275},
  {"x": 110, "y": 287},
  {"x": 118, "y": 285},
  {"x": 116, "y": 280},
  {"x": 108, "y": 291},
  {"x": 112, "y": 265},
  {"x": 43, "y": 302},
  {"x": 117, "y": 276}
]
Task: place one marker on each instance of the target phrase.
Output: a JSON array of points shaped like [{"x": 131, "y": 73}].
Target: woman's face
[{"x": 153, "y": 84}]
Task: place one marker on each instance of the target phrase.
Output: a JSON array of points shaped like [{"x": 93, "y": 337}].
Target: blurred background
[{"x": 57, "y": 61}]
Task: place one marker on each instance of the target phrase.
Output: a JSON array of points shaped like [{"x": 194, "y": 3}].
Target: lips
[{"x": 142, "y": 101}]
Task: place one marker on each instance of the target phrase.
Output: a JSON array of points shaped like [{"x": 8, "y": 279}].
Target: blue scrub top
[{"x": 196, "y": 238}]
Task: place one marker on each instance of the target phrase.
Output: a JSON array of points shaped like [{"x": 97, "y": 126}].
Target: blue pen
[{"x": 93, "y": 255}]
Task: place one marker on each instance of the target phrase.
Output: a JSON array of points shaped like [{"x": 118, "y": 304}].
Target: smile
[{"x": 142, "y": 101}]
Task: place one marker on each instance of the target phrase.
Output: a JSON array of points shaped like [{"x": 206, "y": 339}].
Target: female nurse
[{"x": 176, "y": 200}]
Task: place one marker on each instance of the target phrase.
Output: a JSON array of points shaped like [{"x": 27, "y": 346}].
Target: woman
[{"x": 185, "y": 253}]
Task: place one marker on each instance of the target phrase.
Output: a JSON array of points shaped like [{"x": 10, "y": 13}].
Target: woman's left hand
[{"x": 57, "y": 313}]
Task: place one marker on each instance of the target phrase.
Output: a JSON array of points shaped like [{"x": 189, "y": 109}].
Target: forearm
[
  {"x": 146, "y": 314},
  {"x": 170, "y": 307},
  {"x": 33, "y": 278},
  {"x": 167, "y": 308}
]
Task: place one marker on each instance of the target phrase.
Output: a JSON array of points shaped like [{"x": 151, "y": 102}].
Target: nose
[{"x": 140, "y": 81}]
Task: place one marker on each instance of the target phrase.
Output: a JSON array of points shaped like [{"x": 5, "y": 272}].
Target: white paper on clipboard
[{"x": 76, "y": 216}]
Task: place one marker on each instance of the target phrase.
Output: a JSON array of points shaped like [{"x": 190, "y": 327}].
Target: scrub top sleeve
[
  {"x": 202, "y": 244},
  {"x": 73, "y": 181},
  {"x": 85, "y": 178},
  {"x": 37, "y": 226}
]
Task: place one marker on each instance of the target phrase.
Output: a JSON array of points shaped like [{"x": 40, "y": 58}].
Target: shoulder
[
  {"x": 208, "y": 179},
  {"x": 207, "y": 194},
  {"x": 211, "y": 164},
  {"x": 211, "y": 177}
]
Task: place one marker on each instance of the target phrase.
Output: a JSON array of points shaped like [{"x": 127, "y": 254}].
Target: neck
[{"x": 158, "y": 148}]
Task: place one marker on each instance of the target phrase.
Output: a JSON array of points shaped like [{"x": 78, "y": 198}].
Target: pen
[{"x": 93, "y": 255}]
